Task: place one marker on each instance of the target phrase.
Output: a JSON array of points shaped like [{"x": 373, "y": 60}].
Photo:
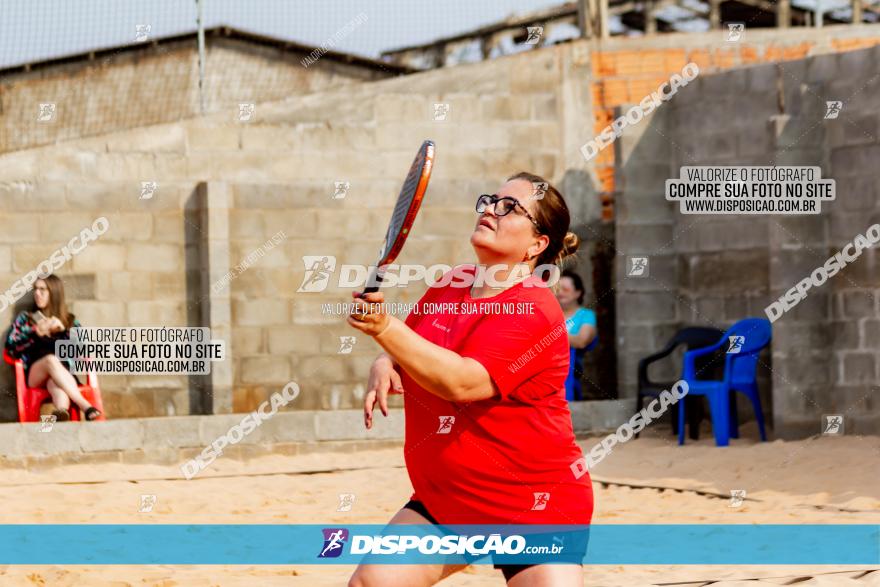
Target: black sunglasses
[{"x": 503, "y": 206}]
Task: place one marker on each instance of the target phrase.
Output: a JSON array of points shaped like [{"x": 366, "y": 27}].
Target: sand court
[{"x": 819, "y": 480}]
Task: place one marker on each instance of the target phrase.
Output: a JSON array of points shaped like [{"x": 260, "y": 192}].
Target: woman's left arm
[
  {"x": 441, "y": 371},
  {"x": 582, "y": 339}
]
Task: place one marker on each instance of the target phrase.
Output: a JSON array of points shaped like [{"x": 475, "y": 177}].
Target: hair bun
[{"x": 570, "y": 244}]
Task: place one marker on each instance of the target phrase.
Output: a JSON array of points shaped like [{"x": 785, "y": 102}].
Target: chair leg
[
  {"x": 734, "y": 416},
  {"x": 752, "y": 394},
  {"x": 719, "y": 406},
  {"x": 681, "y": 423},
  {"x": 639, "y": 401},
  {"x": 673, "y": 418},
  {"x": 694, "y": 416}
]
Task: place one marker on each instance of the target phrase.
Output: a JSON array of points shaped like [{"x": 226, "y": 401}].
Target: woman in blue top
[{"x": 581, "y": 325}]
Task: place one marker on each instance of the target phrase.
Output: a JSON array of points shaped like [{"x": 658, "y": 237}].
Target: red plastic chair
[{"x": 30, "y": 399}]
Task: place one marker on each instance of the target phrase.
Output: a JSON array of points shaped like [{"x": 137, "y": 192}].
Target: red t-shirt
[{"x": 506, "y": 459}]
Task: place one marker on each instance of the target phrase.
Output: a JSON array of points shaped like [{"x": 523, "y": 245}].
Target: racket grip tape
[{"x": 375, "y": 287}]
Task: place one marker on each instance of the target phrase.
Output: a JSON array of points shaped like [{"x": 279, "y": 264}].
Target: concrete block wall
[
  {"x": 714, "y": 270},
  {"x": 852, "y": 149},
  {"x": 278, "y": 172},
  {"x": 97, "y": 96},
  {"x": 279, "y": 333},
  {"x": 132, "y": 275},
  {"x": 529, "y": 111}
]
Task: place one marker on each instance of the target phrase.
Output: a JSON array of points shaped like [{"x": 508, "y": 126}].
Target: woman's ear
[{"x": 541, "y": 243}]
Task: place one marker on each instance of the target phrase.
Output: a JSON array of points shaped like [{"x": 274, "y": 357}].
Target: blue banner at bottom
[{"x": 133, "y": 544}]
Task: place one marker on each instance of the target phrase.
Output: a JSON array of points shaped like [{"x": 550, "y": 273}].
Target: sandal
[
  {"x": 61, "y": 415},
  {"x": 92, "y": 413}
]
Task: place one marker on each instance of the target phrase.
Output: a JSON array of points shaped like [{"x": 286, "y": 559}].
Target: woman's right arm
[{"x": 21, "y": 336}]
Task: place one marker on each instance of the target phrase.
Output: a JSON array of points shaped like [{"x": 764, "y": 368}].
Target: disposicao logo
[{"x": 334, "y": 541}]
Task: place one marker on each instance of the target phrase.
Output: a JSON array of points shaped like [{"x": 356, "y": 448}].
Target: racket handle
[{"x": 374, "y": 288}]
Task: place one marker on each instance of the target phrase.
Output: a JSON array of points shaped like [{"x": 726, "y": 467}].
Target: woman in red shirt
[{"x": 489, "y": 438}]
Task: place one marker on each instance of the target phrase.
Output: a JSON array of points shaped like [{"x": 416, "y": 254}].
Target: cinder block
[
  {"x": 167, "y": 284},
  {"x": 246, "y": 224},
  {"x": 146, "y": 313},
  {"x": 729, "y": 271},
  {"x": 19, "y": 196},
  {"x": 326, "y": 368},
  {"x": 815, "y": 307},
  {"x": 149, "y": 257},
  {"x": 260, "y": 312},
  {"x": 857, "y": 193},
  {"x": 129, "y": 226},
  {"x": 852, "y": 128},
  {"x": 857, "y": 304},
  {"x": 710, "y": 309},
  {"x": 98, "y": 257},
  {"x": 858, "y": 367},
  {"x": 111, "y": 435},
  {"x": 248, "y": 341},
  {"x": 397, "y": 107},
  {"x": 285, "y": 427},
  {"x": 152, "y": 139},
  {"x": 505, "y": 108},
  {"x": 795, "y": 232},
  {"x": 169, "y": 228},
  {"x": 853, "y": 160},
  {"x": 59, "y": 228},
  {"x": 349, "y": 425},
  {"x": 870, "y": 334},
  {"x": 296, "y": 339},
  {"x": 807, "y": 366},
  {"x": 28, "y": 257},
  {"x": 646, "y": 307},
  {"x": 735, "y": 308},
  {"x": 636, "y": 337},
  {"x": 170, "y": 432},
  {"x": 123, "y": 285},
  {"x": 266, "y": 369},
  {"x": 20, "y": 228},
  {"x": 212, "y": 138},
  {"x": 99, "y": 313},
  {"x": 213, "y": 427},
  {"x": 852, "y": 65},
  {"x": 12, "y": 439},
  {"x": 602, "y": 415},
  {"x": 648, "y": 238}
]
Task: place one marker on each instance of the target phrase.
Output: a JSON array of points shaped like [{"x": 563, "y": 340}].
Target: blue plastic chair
[{"x": 739, "y": 375}]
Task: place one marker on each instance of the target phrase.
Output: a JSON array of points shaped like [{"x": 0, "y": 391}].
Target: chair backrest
[
  {"x": 7, "y": 357},
  {"x": 697, "y": 337},
  {"x": 756, "y": 334}
]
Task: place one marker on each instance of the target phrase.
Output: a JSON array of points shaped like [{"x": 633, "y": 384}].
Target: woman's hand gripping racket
[{"x": 402, "y": 218}]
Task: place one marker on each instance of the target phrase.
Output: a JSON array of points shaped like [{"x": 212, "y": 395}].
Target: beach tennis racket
[{"x": 404, "y": 214}]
